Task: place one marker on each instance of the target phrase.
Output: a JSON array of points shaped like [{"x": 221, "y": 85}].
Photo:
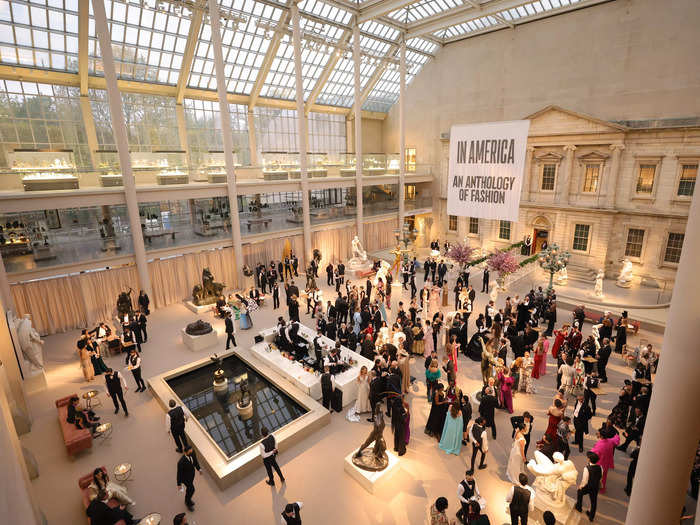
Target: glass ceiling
[{"x": 149, "y": 41}]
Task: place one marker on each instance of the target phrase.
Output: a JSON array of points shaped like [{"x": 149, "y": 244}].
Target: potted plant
[{"x": 504, "y": 263}]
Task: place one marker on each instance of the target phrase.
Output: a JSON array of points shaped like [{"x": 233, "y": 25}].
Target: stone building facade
[{"x": 603, "y": 190}]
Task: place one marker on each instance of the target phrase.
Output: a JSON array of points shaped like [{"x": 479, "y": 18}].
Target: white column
[
  {"x": 6, "y": 299},
  {"x": 116, "y": 114},
  {"x": 225, "y": 113},
  {"x": 672, "y": 426},
  {"x": 614, "y": 175},
  {"x": 301, "y": 130},
  {"x": 525, "y": 193},
  {"x": 252, "y": 142},
  {"x": 567, "y": 174},
  {"x": 358, "y": 130},
  {"x": 402, "y": 132}
]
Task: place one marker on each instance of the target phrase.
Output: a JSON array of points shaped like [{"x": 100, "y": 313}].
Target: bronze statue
[
  {"x": 207, "y": 292},
  {"x": 373, "y": 459},
  {"x": 310, "y": 278},
  {"x": 124, "y": 305},
  {"x": 199, "y": 327}
]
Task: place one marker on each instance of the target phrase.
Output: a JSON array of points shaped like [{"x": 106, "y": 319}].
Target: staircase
[{"x": 581, "y": 274}]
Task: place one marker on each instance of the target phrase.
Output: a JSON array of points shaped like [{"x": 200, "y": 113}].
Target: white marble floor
[{"x": 314, "y": 468}]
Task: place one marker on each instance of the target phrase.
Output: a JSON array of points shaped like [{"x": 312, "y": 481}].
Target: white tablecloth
[{"x": 308, "y": 382}]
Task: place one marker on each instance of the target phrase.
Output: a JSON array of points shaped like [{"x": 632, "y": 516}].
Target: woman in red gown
[
  {"x": 555, "y": 413},
  {"x": 560, "y": 337}
]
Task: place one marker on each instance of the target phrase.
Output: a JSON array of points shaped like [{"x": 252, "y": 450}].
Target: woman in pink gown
[
  {"x": 506, "y": 382},
  {"x": 605, "y": 448},
  {"x": 428, "y": 339}
]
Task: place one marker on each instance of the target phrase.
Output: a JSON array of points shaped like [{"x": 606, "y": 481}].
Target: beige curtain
[
  {"x": 272, "y": 250},
  {"x": 380, "y": 235},
  {"x": 172, "y": 279},
  {"x": 56, "y": 305},
  {"x": 335, "y": 245},
  {"x": 100, "y": 290}
]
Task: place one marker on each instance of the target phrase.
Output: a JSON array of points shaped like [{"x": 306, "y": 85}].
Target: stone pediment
[
  {"x": 554, "y": 120},
  {"x": 593, "y": 156},
  {"x": 549, "y": 157}
]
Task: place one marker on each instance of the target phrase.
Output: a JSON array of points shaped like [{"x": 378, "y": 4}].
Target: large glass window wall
[
  {"x": 270, "y": 212},
  {"x": 380, "y": 199},
  {"x": 331, "y": 205},
  {"x": 46, "y": 238}
]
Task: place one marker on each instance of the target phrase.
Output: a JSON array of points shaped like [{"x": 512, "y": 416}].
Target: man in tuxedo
[
  {"x": 590, "y": 484},
  {"x": 115, "y": 388},
  {"x": 341, "y": 272},
  {"x": 392, "y": 385},
  {"x": 275, "y": 296},
  {"x": 442, "y": 271},
  {"x": 230, "y": 330},
  {"x": 478, "y": 438},
  {"x": 582, "y": 415},
  {"x": 433, "y": 268},
  {"x": 526, "y": 421},
  {"x": 485, "y": 281},
  {"x": 603, "y": 356},
  {"x": 186, "y": 467},
  {"x": 295, "y": 265},
  {"x": 426, "y": 269},
  {"x": 268, "y": 452},
  {"x": 635, "y": 430},
  {"x": 521, "y": 501},
  {"x": 487, "y": 409},
  {"x": 329, "y": 274},
  {"x": 100, "y": 513}
]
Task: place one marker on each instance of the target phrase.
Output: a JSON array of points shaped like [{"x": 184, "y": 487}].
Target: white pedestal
[
  {"x": 199, "y": 342},
  {"x": 565, "y": 515},
  {"x": 369, "y": 480},
  {"x": 198, "y": 309}
]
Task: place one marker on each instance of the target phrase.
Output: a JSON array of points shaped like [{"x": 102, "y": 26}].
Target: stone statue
[
  {"x": 124, "y": 304},
  {"x": 357, "y": 251},
  {"x": 562, "y": 277},
  {"x": 599, "y": 283},
  {"x": 384, "y": 268},
  {"x": 29, "y": 342},
  {"x": 199, "y": 327},
  {"x": 373, "y": 459},
  {"x": 625, "y": 278},
  {"x": 208, "y": 292},
  {"x": 552, "y": 479}
]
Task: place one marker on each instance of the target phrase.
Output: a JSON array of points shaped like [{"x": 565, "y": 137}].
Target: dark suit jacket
[
  {"x": 229, "y": 325},
  {"x": 520, "y": 419},
  {"x": 102, "y": 514},
  {"x": 584, "y": 416},
  {"x": 487, "y": 407},
  {"x": 186, "y": 468}
]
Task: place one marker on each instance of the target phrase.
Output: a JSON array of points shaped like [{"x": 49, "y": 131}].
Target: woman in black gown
[
  {"x": 398, "y": 425},
  {"x": 621, "y": 333},
  {"x": 438, "y": 412}
]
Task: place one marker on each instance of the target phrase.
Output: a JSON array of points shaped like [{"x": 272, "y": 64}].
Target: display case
[
  {"x": 393, "y": 164},
  {"x": 215, "y": 166},
  {"x": 28, "y": 235},
  {"x": 373, "y": 164},
  {"x": 348, "y": 161},
  {"x": 44, "y": 169},
  {"x": 168, "y": 167},
  {"x": 278, "y": 164},
  {"x": 109, "y": 168}
]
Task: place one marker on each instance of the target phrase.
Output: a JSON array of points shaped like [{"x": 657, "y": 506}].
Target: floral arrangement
[
  {"x": 461, "y": 254},
  {"x": 503, "y": 262}
]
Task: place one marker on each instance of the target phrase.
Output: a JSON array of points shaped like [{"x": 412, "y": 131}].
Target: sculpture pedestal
[
  {"x": 624, "y": 284},
  {"x": 367, "y": 479},
  {"x": 359, "y": 268},
  {"x": 198, "y": 309},
  {"x": 566, "y": 515},
  {"x": 34, "y": 381},
  {"x": 199, "y": 342}
]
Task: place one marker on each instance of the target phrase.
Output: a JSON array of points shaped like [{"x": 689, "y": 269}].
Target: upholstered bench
[
  {"x": 84, "y": 483},
  {"x": 76, "y": 439}
]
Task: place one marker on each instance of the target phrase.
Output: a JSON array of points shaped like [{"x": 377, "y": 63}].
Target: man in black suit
[
  {"x": 603, "y": 356},
  {"x": 185, "y": 475},
  {"x": 525, "y": 420},
  {"x": 426, "y": 269},
  {"x": 485, "y": 281},
  {"x": 487, "y": 409},
  {"x": 582, "y": 415},
  {"x": 472, "y": 293},
  {"x": 275, "y": 296},
  {"x": 102, "y": 514},
  {"x": 442, "y": 271},
  {"x": 295, "y": 265},
  {"x": 376, "y": 388},
  {"x": 392, "y": 385},
  {"x": 230, "y": 330},
  {"x": 634, "y": 431},
  {"x": 292, "y": 290},
  {"x": 590, "y": 484}
]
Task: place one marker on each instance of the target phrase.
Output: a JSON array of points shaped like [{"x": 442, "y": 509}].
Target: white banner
[{"x": 487, "y": 162}]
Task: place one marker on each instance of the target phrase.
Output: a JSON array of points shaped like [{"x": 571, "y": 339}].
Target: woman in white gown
[
  {"x": 516, "y": 459},
  {"x": 362, "y": 403}
]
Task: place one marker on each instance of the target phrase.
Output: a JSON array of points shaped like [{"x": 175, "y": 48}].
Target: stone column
[
  {"x": 358, "y": 132},
  {"x": 672, "y": 425},
  {"x": 564, "y": 186},
  {"x": 252, "y": 141},
  {"x": 527, "y": 175},
  {"x": 302, "y": 136},
  {"x": 614, "y": 175},
  {"x": 225, "y": 112},
  {"x": 402, "y": 133},
  {"x": 6, "y": 300},
  {"x": 116, "y": 113}
]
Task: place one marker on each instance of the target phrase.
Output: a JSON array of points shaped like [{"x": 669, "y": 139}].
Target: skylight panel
[
  {"x": 377, "y": 29},
  {"x": 39, "y": 36},
  {"x": 424, "y": 9},
  {"x": 324, "y": 10},
  {"x": 422, "y": 45}
]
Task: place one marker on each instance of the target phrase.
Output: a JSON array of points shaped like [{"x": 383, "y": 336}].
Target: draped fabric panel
[
  {"x": 172, "y": 279},
  {"x": 101, "y": 289},
  {"x": 56, "y": 305},
  {"x": 380, "y": 235},
  {"x": 273, "y": 250},
  {"x": 335, "y": 245}
]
